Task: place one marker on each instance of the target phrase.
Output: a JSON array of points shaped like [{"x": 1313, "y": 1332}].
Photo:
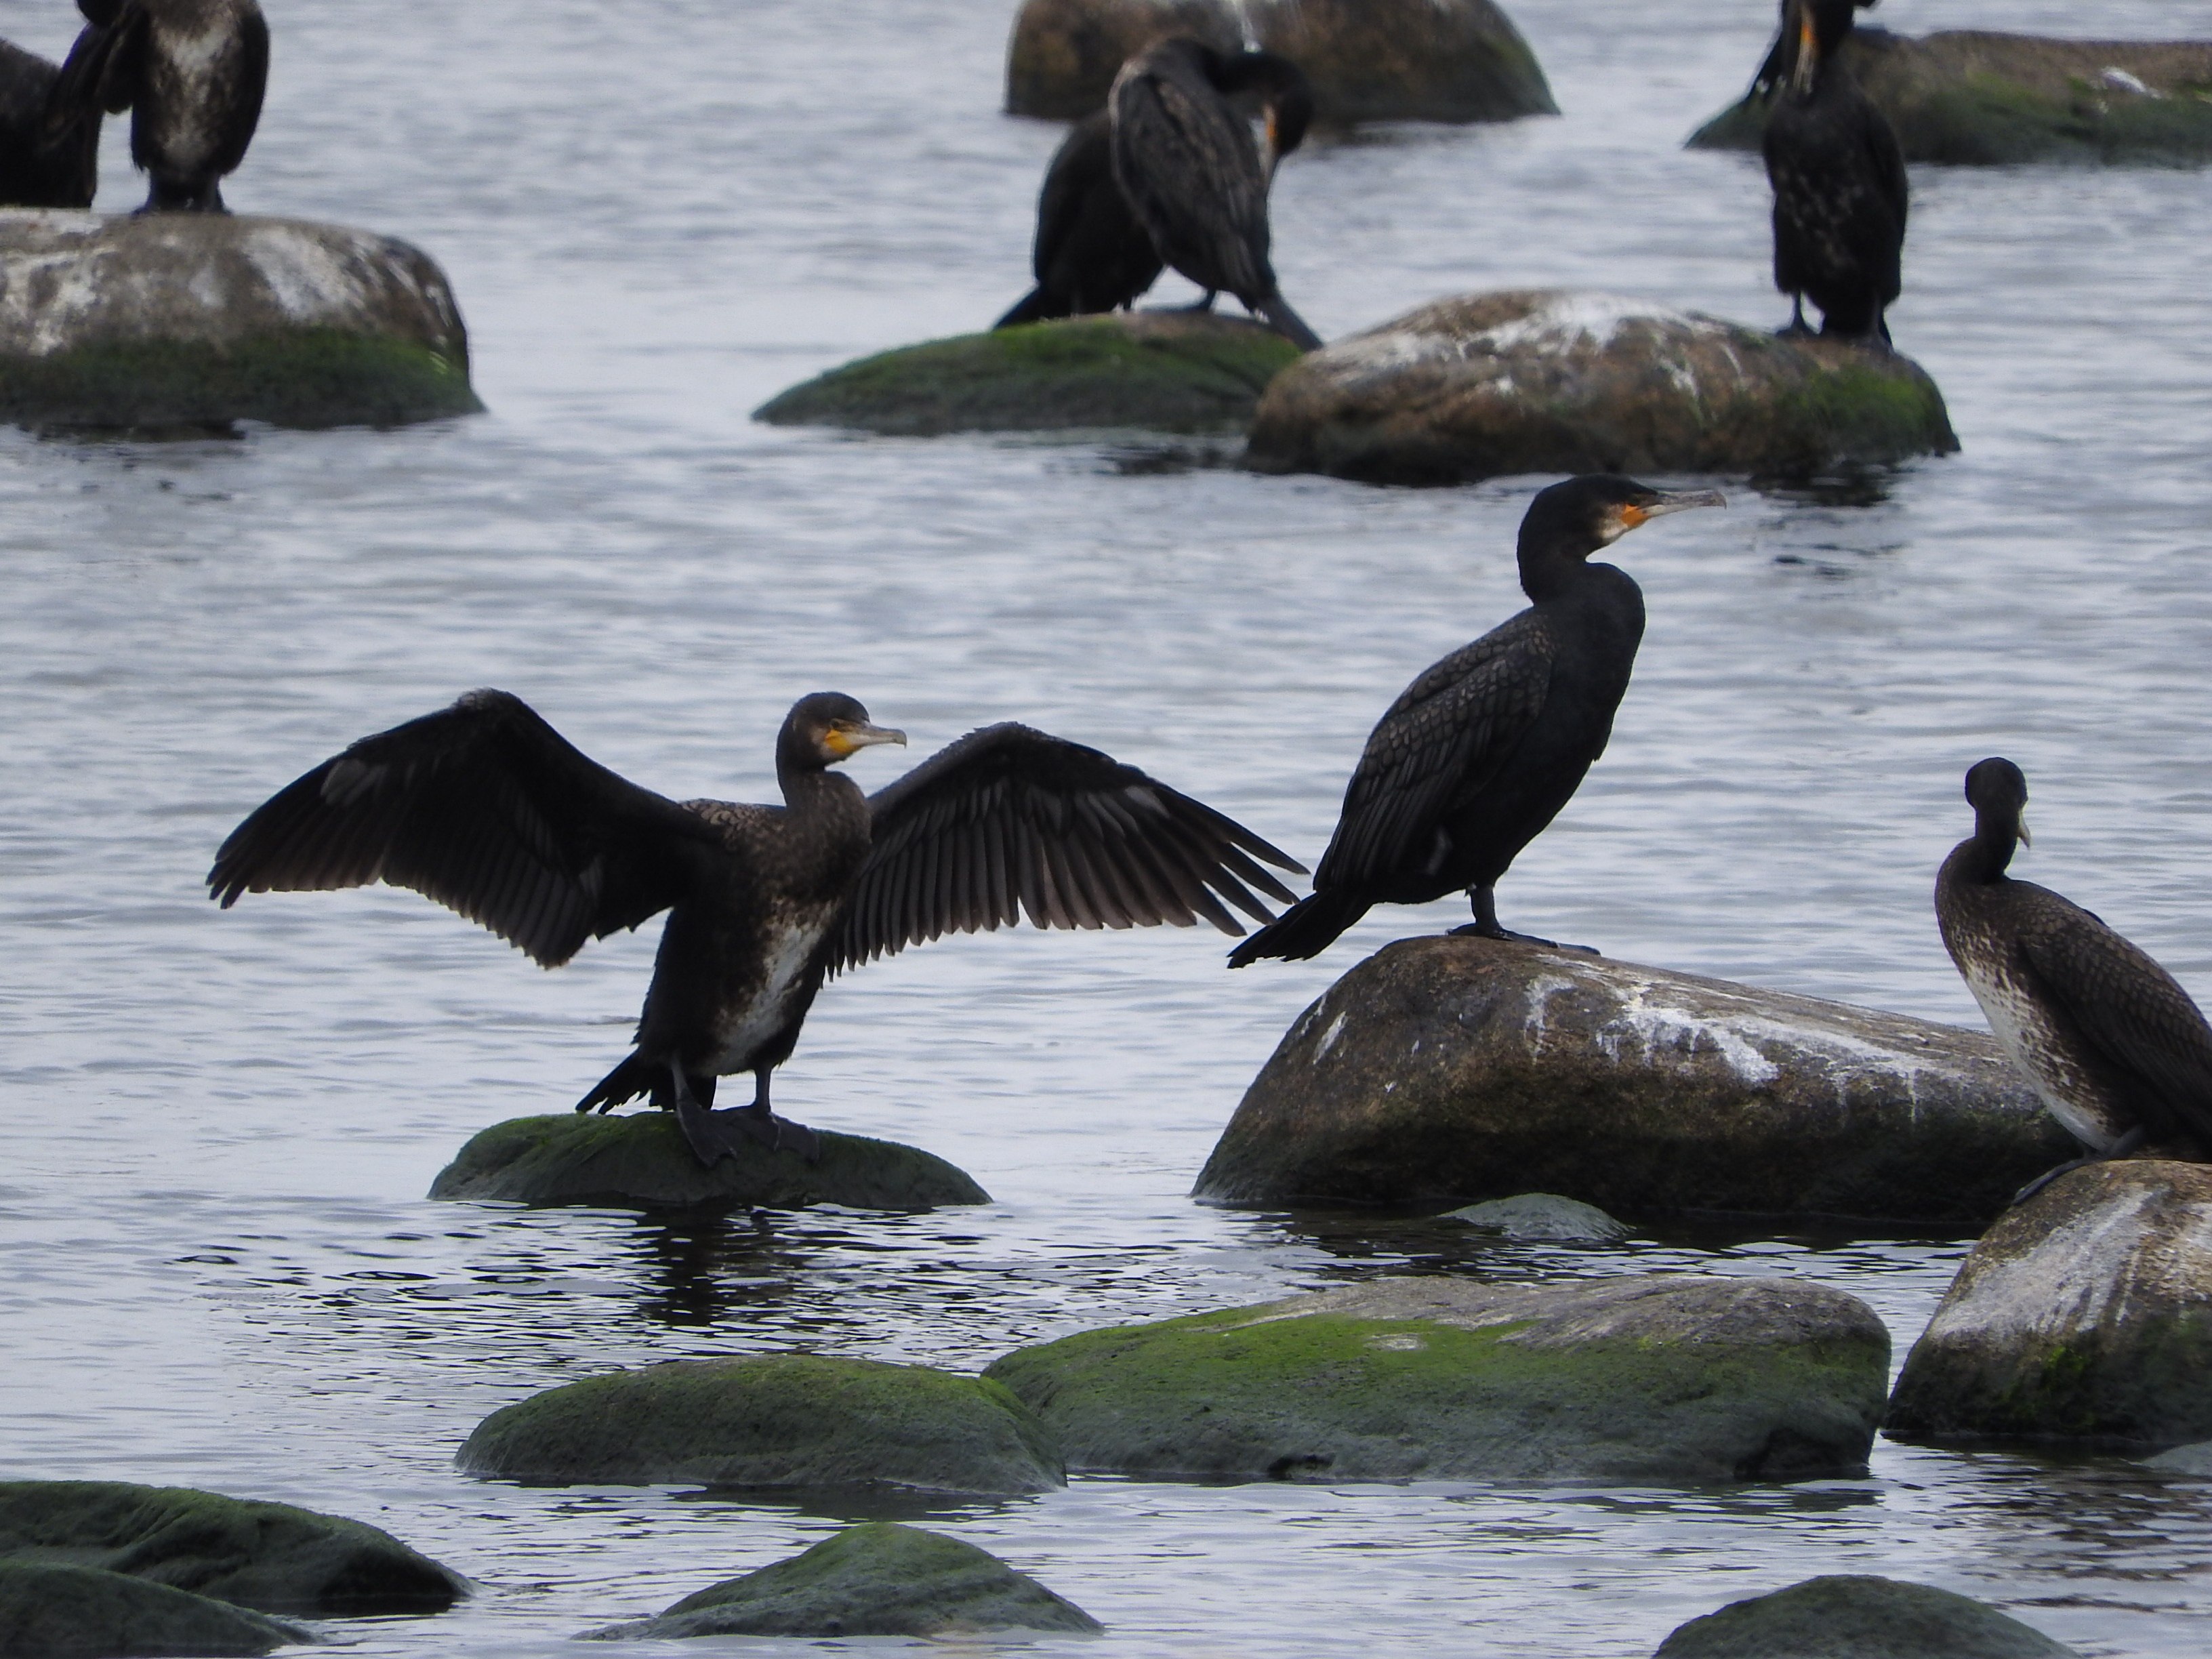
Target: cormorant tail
[
  {"x": 625, "y": 1083},
  {"x": 1306, "y": 929},
  {"x": 1034, "y": 306},
  {"x": 1288, "y": 324}
]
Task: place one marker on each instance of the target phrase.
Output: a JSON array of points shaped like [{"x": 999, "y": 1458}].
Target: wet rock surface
[
  {"x": 188, "y": 320},
  {"x": 2084, "y": 1314},
  {"x": 1443, "y": 1070},
  {"x": 1406, "y": 60},
  {"x": 877, "y": 1579},
  {"x": 1535, "y": 1216},
  {"x": 1656, "y": 1379},
  {"x": 638, "y": 1160},
  {"x": 1859, "y": 1617},
  {"x": 1554, "y": 380},
  {"x": 52, "y": 1611},
  {"x": 1064, "y": 54},
  {"x": 772, "y": 1420}
]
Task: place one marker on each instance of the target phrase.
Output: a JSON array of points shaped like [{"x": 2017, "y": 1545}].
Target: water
[{"x": 221, "y": 1270}]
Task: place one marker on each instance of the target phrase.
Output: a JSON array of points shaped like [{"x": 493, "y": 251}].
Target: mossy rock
[
  {"x": 49, "y": 1610},
  {"x": 1406, "y": 60},
  {"x": 1658, "y": 1379},
  {"x": 878, "y": 1579},
  {"x": 1165, "y": 371},
  {"x": 640, "y": 1160},
  {"x": 1970, "y": 97},
  {"x": 1854, "y": 1616},
  {"x": 271, "y": 1556},
  {"x": 1064, "y": 54},
  {"x": 1547, "y": 380},
  {"x": 805, "y": 1420}
]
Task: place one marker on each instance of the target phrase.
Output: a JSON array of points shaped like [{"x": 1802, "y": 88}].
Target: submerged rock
[
  {"x": 1549, "y": 380},
  {"x": 877, "y": 1579},
  {"x": 2085, "y": 1313},
  {"x": 772, "y": 1420},
  {"x": 1405, "y": 60},
  {"x": 195, "y": 320},
  {"x": 1857, "y": 1617},
  {"x": 1168, "y": 371},
  {"x": 1445, "y": 1069},
  {"x": 638, "y": 1160},
  {"x": 271, "y": 1556},
  {"x": 1541, "y": 1216},
  {"x": 1660, "y": 1378},
  {"x": 2195, "y": 1459},
  {"x": 52, "y": 1611},
  {"x": 1976, "y": 98}
]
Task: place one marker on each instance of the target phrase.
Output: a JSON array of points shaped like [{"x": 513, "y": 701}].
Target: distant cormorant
[
  {"x": 1091, "y": 254},
  {"x": 1186, "y": 160},
  {"x": 485, "y": 808},
  {"x": 49, "y": 149},
  {"x": 2112, "y": 1042},
  {"x": 192, "y": 73},
  {"x": 1840, "y": 195},
  {"x": 1479, "y": 754}
]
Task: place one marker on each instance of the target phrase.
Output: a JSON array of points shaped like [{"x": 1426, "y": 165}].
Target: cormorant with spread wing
[
  {"x": 1479, "y": 754},
  {"x": 486, "y": 808},
  {"x": 2112, "y": 1042},
  {"x": 192, "y": 73}
]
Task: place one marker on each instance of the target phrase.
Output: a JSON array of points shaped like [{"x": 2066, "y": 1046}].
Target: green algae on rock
[
  {"x": 1549, "y": 381},
  {"x": 638, "y": 1160},
  {"x": 1971, "y": 97},
  {"x": 51, "y": 1610},
  {"x": 1656, "y": 1379},
  {"x": 772, "y": 1420},
  {"x": 1064, "y": 54},
  {"x": 1166, "y": 371},
  {"x": 1405, "y": 60},
  {"x": 1855, "y": 1616},
  {"x": 879, "y": 1578}
]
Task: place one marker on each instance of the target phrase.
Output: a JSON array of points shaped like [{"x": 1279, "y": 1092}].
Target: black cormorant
[
  {"x": 2114, "y": 1045},
  {"x": 1840, "y": 195},
  {"x": 192, "y": 73},
  {"x": 49, "y": 147},
  {"x": 485, "y": 808},
  {"x": 1186, "y": 160},
  {"x": 1091, "y": 254},
  {"x": 1481, "y": 751}
]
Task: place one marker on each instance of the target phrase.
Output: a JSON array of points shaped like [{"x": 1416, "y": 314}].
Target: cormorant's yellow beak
[
  {"x": 844, "y": 740},
  {"x": 1808, "y": 51},
  {"x": 1633, "y": 514}
]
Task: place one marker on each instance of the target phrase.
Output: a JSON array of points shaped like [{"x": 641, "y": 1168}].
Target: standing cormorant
[
  {"x": 1186, "y": 160},
  {"x": 49, "y": 147},
  {"x": 1481, "y": 751},
  {"x": 192, "y": 73},
  {"x": 2112, "y": 1042},
  {"x": 1840, "y": 195},
  {"x": 485, "y": 808}
]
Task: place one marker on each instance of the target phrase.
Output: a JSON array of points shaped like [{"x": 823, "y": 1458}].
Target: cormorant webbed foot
[
  {"x": 2119, "y": 1149},
  {"x": 1476, "y": 930},
  {"x": 1206, "y": 304},
  {"x": 778, "y": 1135},
  {"x": 701, "y": 1132},
  {"x": 1796, "y": 325}
]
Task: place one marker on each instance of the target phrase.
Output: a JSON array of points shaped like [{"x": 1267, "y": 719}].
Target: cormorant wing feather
[
  {"x": 245, "y": 115},
  {"x": 486, "y": 809},
  {"x": 1084, "y": 162},
  {"x": 1010, "y": 819},
  {"x": 1888, "y": 159},
  {"x": 1187, "y": 163},
  {"x": 101, "y": 70}
]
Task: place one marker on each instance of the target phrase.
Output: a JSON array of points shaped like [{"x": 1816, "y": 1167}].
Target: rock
[
  {"x": 1064, "y": 54},
  {"x": 772, "y": 1420},
  {"x": 271, "y": 1556},
  {"x": 1169, "y": 371},
  {"x": 1659, "y": 1378},
  {"x": 2084, "y": 1314},
  {"x": 638, "y": 1160},
  {"x": 1857, "y": 1617},
  {"x": 52, "y": 1611},
  {"x": 1444, "y": 1069},
  {"x": 2184, "y": 1460},
  {"x": 1406, "y": 60},
  {"x": 877, "y": 1579},
  {"x": 191, "y": 319},
  {"x": 1979, "y": 99},
  {"x": 1549, "y": 380},
  {"x": 1542, "y": 1216}
]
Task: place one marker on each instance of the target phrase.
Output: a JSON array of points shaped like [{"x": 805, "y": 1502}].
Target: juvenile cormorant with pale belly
[{"x": 192, "y": 73}]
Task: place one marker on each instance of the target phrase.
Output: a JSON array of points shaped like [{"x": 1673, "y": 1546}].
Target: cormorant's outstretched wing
[
  {"x": 488, "y": 810},
  {"x": 1186, "y": 162},
  {"x": 1447, "y": 733},
  {"x": 1010, "y": 819}
]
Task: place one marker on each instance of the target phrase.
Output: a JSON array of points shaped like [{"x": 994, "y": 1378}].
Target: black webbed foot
[
  {"x": 2119, "y": 1149},
  {"x": 701, "y": 1132},
  {"x": 1476, "y": 930},
  {"x": 778, "y": 1134}
]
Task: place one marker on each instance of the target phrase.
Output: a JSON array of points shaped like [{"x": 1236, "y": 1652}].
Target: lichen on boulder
[
  {"x": 1856, "y": 1616},
  {"x": 879, "y": 1578},
  {"x": 638, "y": 1160},
  {"x": 1406, "y": 60},
  {"x": 1656, "y": 1379},
  {"x": 1064, "y": 54},
  {"x": 51, "y": 1610},
  {"x": 1550, "y": 380}
]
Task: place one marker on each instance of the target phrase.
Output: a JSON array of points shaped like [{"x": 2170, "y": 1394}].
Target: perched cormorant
[
  {"x": 1186, "y": 160},
  {"x": 2114, "y": 1045},
  {"x": 49, "y": 149},
  {"x": 1481, "y": 751},
  {"x": 192, "y": 73},
  {"x": 1840, "y": 195},
  {"x": 1091, "y": 254},
  {"x": 485, "y": 808}
]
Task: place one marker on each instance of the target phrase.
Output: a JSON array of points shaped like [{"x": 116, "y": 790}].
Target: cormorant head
[
  {"x": 827, "y": 727},
  {"x": 1811, "y": 32},
  {"x": 1570, "y": 521},
  {"x": 1997, "y": 791}
]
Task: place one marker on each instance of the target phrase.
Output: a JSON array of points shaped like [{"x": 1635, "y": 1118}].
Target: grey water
[{"x": 215, "y": 1129}]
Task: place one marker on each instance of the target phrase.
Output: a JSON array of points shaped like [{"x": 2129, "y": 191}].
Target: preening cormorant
[
  {"x": 1481, "y": 751},
  {"x": 1091, "y": 254},
  {"x": 49, "y": 149},
  {"x": 485, "y": 808},
  {"x": 2112, "y": 1042},
  {"x": 1185, "y": 159},
  {"x": 1840, "y": 195},
  {"x": 192, "y": 73}
]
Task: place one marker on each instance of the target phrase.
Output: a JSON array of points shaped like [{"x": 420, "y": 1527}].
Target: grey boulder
[
  {"x": 49, "y": 1610},
  {"x": 1858, "y": 1617},
  {"x": 1538, "y": 1216},
  {"x": 1064, "y": 54}
]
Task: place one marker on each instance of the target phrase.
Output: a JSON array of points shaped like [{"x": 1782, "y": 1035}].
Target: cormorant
[
  {"x": 192, "y": 73},
  {"x": 1479, "y": 754},
  {"x": 485, "y": 808},
  {"x": 1840, "y": 195},
  {"x": 49, "y": 150},
  {"x": 1186, "y": 160},
  {"x": 2112, "y": 1042},
  {"x": 1091, "y": 254}
]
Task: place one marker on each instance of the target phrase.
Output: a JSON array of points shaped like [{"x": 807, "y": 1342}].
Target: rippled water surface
[{"x": 218, "y": 1128}]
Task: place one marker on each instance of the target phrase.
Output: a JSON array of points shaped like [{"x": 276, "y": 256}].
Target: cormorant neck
[
  {"x": 1549, "y": 569},
  {"x": 1996, "y": 838}
]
